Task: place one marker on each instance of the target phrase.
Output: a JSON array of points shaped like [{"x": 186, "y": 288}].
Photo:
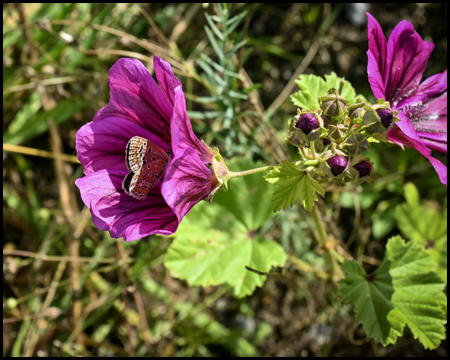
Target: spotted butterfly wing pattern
[{"x": 147, "y": 163}]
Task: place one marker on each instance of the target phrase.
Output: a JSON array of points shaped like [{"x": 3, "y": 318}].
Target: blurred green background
[{"x": 71, "y": 290}]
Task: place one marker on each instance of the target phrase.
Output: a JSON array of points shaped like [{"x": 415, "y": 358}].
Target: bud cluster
[{"x": 338, "y": 133}]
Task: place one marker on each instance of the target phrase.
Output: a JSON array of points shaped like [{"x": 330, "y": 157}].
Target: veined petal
[
  {"x": 432, "y": 87},
  {"x": 403, "y": 133},
  {"x": 375, "y": 79},
  {"x": 102, "y": 144},
  {"x": 121, "y": 214},
  {"x": 406, "y": 60},
  {"x": 377, "y": 46},
  {"x": 182, "y": 134},
  {"x": 440, "y": 168},
  {"x": 430, "y": 122},
  {"x": 166, "y": 78},
  {"x": 186, "y": 182},
  {"x": 135, "y": 96},
  {"x": 439, "y": 145}
]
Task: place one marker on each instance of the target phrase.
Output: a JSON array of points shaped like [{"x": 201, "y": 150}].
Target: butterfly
[{"x": 147, "y": 163}]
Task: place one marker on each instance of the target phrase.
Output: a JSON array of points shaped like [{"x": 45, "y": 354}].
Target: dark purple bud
[
  {"x": 386, "y": 117},
  {"x": 307, "y": 123},
  {"x": 363, "y": 168},
  {"x": 326, "y": 141},
  {"x": 337, "y": 164}
]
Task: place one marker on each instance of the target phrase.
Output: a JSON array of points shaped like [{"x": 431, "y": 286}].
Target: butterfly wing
[
  {"x": 135, "y": 153},
  {"x": 147, "y": 163}
]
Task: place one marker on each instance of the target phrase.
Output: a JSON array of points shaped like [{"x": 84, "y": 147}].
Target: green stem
[
  {"x": 320, "y": 227},
  {"x": 312, "y": 147},
  {"x": 307, "y": 163},
  {"x": 233, "y": 174}
]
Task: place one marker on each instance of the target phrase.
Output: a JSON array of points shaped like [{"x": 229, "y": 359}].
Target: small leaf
[
  {"x": 237, "y": 95},
  {"x": 313, "y": 87},
  {"x": 214, "y": 44},
  {"x": 402, "y": 291},
  {"x": 293, "y": 184},
  {"x": 204, "y": 114},
  {"x": 414, "y": 219},
  {"x": 214, "y": 27},
  {"x": 234, "y": 22},
  {"x": 347, "y": 92}
]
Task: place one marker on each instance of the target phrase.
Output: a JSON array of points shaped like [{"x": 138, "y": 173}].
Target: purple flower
[
  {"x": 364, "y": 168},
  {"x": 395, "y": 69},
  {"x": 308, "y": 123},
  {"x": 337, "y": 164},
  {"x": 139, "y": 107},
  {"x": 386, "y": 117}
]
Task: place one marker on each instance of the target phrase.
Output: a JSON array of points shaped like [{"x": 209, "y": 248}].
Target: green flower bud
[
  {"x": 356, "y": 144},
  {"x": 333, "y": 105}
]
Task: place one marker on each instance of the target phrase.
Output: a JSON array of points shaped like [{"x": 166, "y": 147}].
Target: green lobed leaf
[
  {"x": 347, "y": 91},
  {"x": 215, "y": 242},
  {"x": 217, "y": 253},
  {"x": 402, "y": 291},
  {"x": 312, "y": 87},
  {"x": 293, "y": 184},
  {"x": 424, "y": 225}
]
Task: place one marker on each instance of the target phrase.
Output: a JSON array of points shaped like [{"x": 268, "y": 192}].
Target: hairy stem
[
  {"x": 320, "y": 227},
  {"x": 233, "y": 174},
  {"x": 312, "y": 146}
]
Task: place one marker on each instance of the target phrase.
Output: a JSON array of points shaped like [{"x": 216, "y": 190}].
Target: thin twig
[
  {"x": 33, "y": 336},
  {"x": 155, "y": 27},
  {"x": 129, "y": 330},
  {"x": 45, "y": 82},
  {"x": 144, "y": 328},
  {"x": 40, "y": 153},
  {"x": 261, "y": 272},
  {"x": 44, "y": 257},
  {"x": 182, "y": 25},
  {"x": 357, "y": 220},
  {"x": 291, "y": 84}
]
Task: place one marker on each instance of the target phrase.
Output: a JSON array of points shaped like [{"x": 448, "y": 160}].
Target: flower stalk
[{"x": 322, "y": 238}]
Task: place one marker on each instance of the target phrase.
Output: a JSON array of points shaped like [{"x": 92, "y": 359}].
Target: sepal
[
  {"x": 220, "y": 170},
  {"x": 299, "y": 136},
  {"x": 333, "y": 105},
  {"x": 362, "y": 169}
]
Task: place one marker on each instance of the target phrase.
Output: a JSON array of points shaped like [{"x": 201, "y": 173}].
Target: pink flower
[
  {"x": 139, "y": 107},
  {"x": 395, "y": 69}
]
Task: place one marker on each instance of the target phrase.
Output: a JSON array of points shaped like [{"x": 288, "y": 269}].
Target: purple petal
[
  {"x": 120, "y": 213},
  {"x": 135, "y": 96},
  {"x": 377, "y": 46},
  {"x": 432, "y": 87},
  {"x": 102, "y": 144},
  {"x": 407, "y": 57},
  {"x": 430, "y": 122},
  {"x": 187, "y": 181},
  {"x": 403, "y": 133},
  {"x": 166, "y": 78},
  {"x": 440, "y": 168},
  {"x": 375, "y": 79},
  {"x": 182, "y": 135}
]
